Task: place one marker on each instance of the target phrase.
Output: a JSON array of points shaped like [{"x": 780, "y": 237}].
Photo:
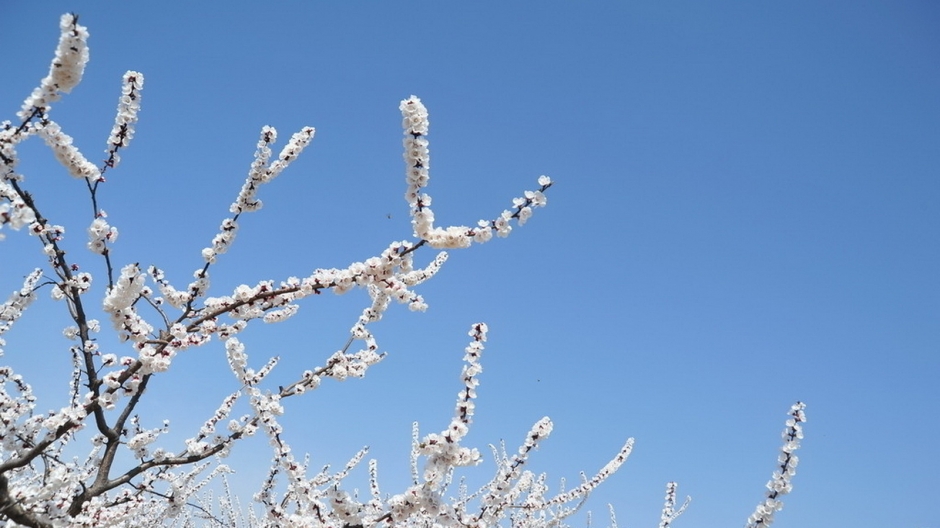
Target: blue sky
[{"x": 745, "y": 214}]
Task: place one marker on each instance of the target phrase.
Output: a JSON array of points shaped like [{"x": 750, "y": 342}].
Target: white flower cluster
[
  {"x": 670, "y": 513},
  {"x": 128, "y": 106},
  {"x": 17, "y": 303},
  {"x": 47, "y": 233},
  {"x": 138, "y": 438},
  {"x": 238, "y": 362},
  {"x": 341, "y": 365},
  {"x": 25, "y": 435},
  {"x": 67, "y": 153},
  {"x": 77, "y": 284},
  {"x": 589, "y": 485},
  {"x": 13, "y": 210},
  {"x": 443, "y": 451},
  {"x": 262, "y": 171},
  {"x": 780, "y": 483},
  {"x": 417, "y": 156},
  {"x": 100, "y": 232},
  {"x": 417, "y": 165},
  {"x": 389, "y": 276},
  {"x": 66, "y": 70},
  {"x": 119, "y": 304},
  {"x": 15, "y": 405},
  {"x": 386, "y": 277},
  {"x": 176, "y": 298},
  {"x": 511, "y": 481},
  {"x": 207, "y": 437}
]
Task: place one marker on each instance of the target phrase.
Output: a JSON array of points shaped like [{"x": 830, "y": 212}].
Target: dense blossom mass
[{"x": 129, "y": 476}]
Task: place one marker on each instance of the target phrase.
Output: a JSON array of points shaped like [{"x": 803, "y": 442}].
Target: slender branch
[{"x": 64, "y": 270}]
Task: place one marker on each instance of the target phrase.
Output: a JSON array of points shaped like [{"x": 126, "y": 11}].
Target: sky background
[{"x": 746, "y": 214}]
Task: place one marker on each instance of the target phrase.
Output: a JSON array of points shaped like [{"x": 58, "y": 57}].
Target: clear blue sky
[{"x": 747, "y": 213}]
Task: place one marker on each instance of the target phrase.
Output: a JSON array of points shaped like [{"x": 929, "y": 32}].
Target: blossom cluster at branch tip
[
  {"x": 66, "y": 69},
  {"x": 128, "y": 106},
  {"x": 781, "y": 482},
  {"x": 17, "y": 303},
  {"x": 443, "y": 450},
  {"x": 100, "y": 233},
  {"x": 591, "y": 484},
  {"x": 262, "y": 171},
  {"x": 417, "y": 157},
  {"x": 417, "y": 176},
  {"x": 670, "y": 513}
]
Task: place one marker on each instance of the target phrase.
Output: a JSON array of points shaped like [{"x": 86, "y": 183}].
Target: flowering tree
[{"x": 124, "y": 479}]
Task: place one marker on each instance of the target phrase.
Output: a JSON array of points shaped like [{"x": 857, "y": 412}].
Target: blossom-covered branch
[
  {"x": 417, "y": 165},
  {"x": 781, "y": 482},
  {"x": 130, "y": 476},
  {"x": 670, "y": 513}
]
